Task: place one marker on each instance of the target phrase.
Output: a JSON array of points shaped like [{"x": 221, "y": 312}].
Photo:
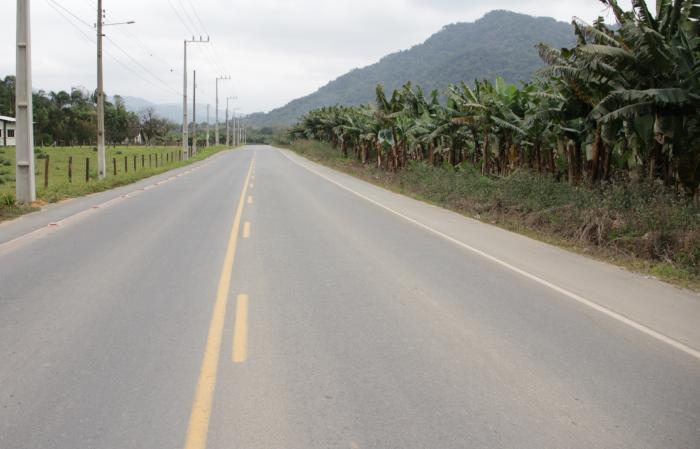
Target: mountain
[
  {"x": 500, "y": 43},
  {"x": 170, "y": 111}
]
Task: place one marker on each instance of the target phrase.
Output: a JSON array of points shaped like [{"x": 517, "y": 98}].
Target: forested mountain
[{"x": 501, "y": 43}]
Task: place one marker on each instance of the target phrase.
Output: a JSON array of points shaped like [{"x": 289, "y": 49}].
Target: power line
[
  {"x": 198, "y": 18},
  {"x": 141, "y": 65},
  {"x": 132, "y": 37},
  {"x": 209, "y": 53},
  {"x": 187, "y": 16},
  {"x": 143, "y": 46},
  {"x": 54, "y": 3},
  {"x": 189, "y": 30}
]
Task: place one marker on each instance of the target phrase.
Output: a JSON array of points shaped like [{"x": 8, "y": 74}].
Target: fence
[{"x": 53, "y": 169}]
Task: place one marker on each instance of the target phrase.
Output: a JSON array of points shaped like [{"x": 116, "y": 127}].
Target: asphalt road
[{"x": 251, "y": 303}]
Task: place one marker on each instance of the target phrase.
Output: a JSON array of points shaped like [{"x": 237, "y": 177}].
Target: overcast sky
[{"x": 274, "y": 50}]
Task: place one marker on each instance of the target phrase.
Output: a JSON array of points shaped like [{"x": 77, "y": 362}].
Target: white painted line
[{"x": 611, "y": 313}]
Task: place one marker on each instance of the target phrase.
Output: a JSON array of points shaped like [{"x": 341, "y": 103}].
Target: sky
[{"x": 273, "y": 50}]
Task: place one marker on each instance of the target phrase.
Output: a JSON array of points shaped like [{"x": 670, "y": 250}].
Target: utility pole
[
  {"x": 25, "y": 187},
  {"x": 100, "y": 107},
  {"x": 233, "y": 130},
  {"x": 228, "y": 133},
  {"x": 101, "y": 157},
  {"x": 185, "y": 124},
  {"x": 236, "y": 140},
  {"x": 207, "y": 125},
  {"x": 194, "y": 112},
  {"x": 216, "y": 109}
]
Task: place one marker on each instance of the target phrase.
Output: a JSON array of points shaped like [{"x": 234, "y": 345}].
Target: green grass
[
  {"x": 61, "y": 187},
  {"x": 638, "y": 225}
]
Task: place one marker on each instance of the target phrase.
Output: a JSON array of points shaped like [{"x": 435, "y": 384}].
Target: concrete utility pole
[
  {"x": 25, "y": 187},
  {"x": 101, "y": 157},
  {"x": 100, "y": 108},
  {"x": 228, "y": 133},
  {"x": 185, "y": 124},
  {"x": 194, "y": 112},
  {"x": 207, "y": 125},
  {"x": 216, "y": 109}
]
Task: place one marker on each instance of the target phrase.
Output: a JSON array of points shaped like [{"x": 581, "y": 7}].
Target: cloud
[{"x": 275, "y": 50}]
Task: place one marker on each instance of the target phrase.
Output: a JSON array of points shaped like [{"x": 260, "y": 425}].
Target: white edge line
[{"x": 612, "y": 314}]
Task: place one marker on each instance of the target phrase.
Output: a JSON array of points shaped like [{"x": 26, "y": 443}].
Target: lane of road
[{"x": 343, "y": 326}]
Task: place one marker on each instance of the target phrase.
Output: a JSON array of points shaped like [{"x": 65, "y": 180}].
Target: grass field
[
  {"x": 642, "y": 226},
  {"x": 132, "y": 163}
]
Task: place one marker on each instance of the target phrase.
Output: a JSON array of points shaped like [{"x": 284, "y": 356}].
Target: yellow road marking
[
  {"x": 246, "y": 230},
  {"x": 250, "y": 199},
  {"x": 201, "y": 408},
  {"x": 240, "y": 331}
]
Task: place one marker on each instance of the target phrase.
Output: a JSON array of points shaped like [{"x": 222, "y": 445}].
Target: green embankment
[{"x": 149, "y": 161}]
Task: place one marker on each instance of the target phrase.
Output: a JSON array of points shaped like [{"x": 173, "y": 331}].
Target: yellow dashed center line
[
  {"x": 246, "y": 230},
  {"x": 201, "y": 408},
  {"x": 240, "y": 331}
]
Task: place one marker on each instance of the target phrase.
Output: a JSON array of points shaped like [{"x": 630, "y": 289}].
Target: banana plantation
[{"x": 622, "y": 104}]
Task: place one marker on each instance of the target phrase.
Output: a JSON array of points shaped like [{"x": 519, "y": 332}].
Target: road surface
[{"x": 255, "y": 302}]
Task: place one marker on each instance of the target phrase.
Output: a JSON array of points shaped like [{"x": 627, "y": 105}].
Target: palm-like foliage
[{"x": 624, "y": 100}]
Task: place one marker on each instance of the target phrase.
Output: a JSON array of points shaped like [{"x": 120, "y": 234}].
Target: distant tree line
[
  {"x": 624, "y": 102},
  {"x": 69, "y": 118}
]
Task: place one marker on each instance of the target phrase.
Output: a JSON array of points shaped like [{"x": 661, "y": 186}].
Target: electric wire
[{"x": 55, "y": 5}]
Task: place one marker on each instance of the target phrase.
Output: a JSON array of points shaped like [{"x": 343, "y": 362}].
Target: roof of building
[{"x": 4, "y": 118}]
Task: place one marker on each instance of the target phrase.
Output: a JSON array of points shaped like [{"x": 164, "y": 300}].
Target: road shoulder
[{"x": 670, "y": 312}]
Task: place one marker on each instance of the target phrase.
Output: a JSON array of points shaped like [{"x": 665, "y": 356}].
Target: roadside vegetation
[
  {"x": 69, "y": 118},
  {"x": 601, "y": 151},
  {"x": 132, "y": 163}
]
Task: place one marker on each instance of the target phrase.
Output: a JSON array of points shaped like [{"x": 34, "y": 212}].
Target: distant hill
[
  {"x": 170, "y": 111},
  {"x": 500, "y": 43}
]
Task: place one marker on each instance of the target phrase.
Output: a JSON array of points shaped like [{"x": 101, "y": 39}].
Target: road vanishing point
[{"x": 257, "y": 300}]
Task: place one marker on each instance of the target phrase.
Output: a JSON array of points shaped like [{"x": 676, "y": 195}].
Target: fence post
[
  {"x": 114, "y": 165},
  {"x": 134, "y": 162},
  {"x": 126, "y": 164},
  {"x": 46, "y": 171},
  {"x": 70, "y": 168},
  {"x": 149, "y": 161},
  {"x": 143, "y": 160},
  {"x": 87, "y": 169}
]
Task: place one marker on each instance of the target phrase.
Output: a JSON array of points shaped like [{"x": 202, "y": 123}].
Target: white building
[{"x": 7, "y": 131}]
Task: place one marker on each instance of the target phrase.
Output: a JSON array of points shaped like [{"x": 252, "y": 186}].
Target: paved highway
[{"x": 259, "y": 301}]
